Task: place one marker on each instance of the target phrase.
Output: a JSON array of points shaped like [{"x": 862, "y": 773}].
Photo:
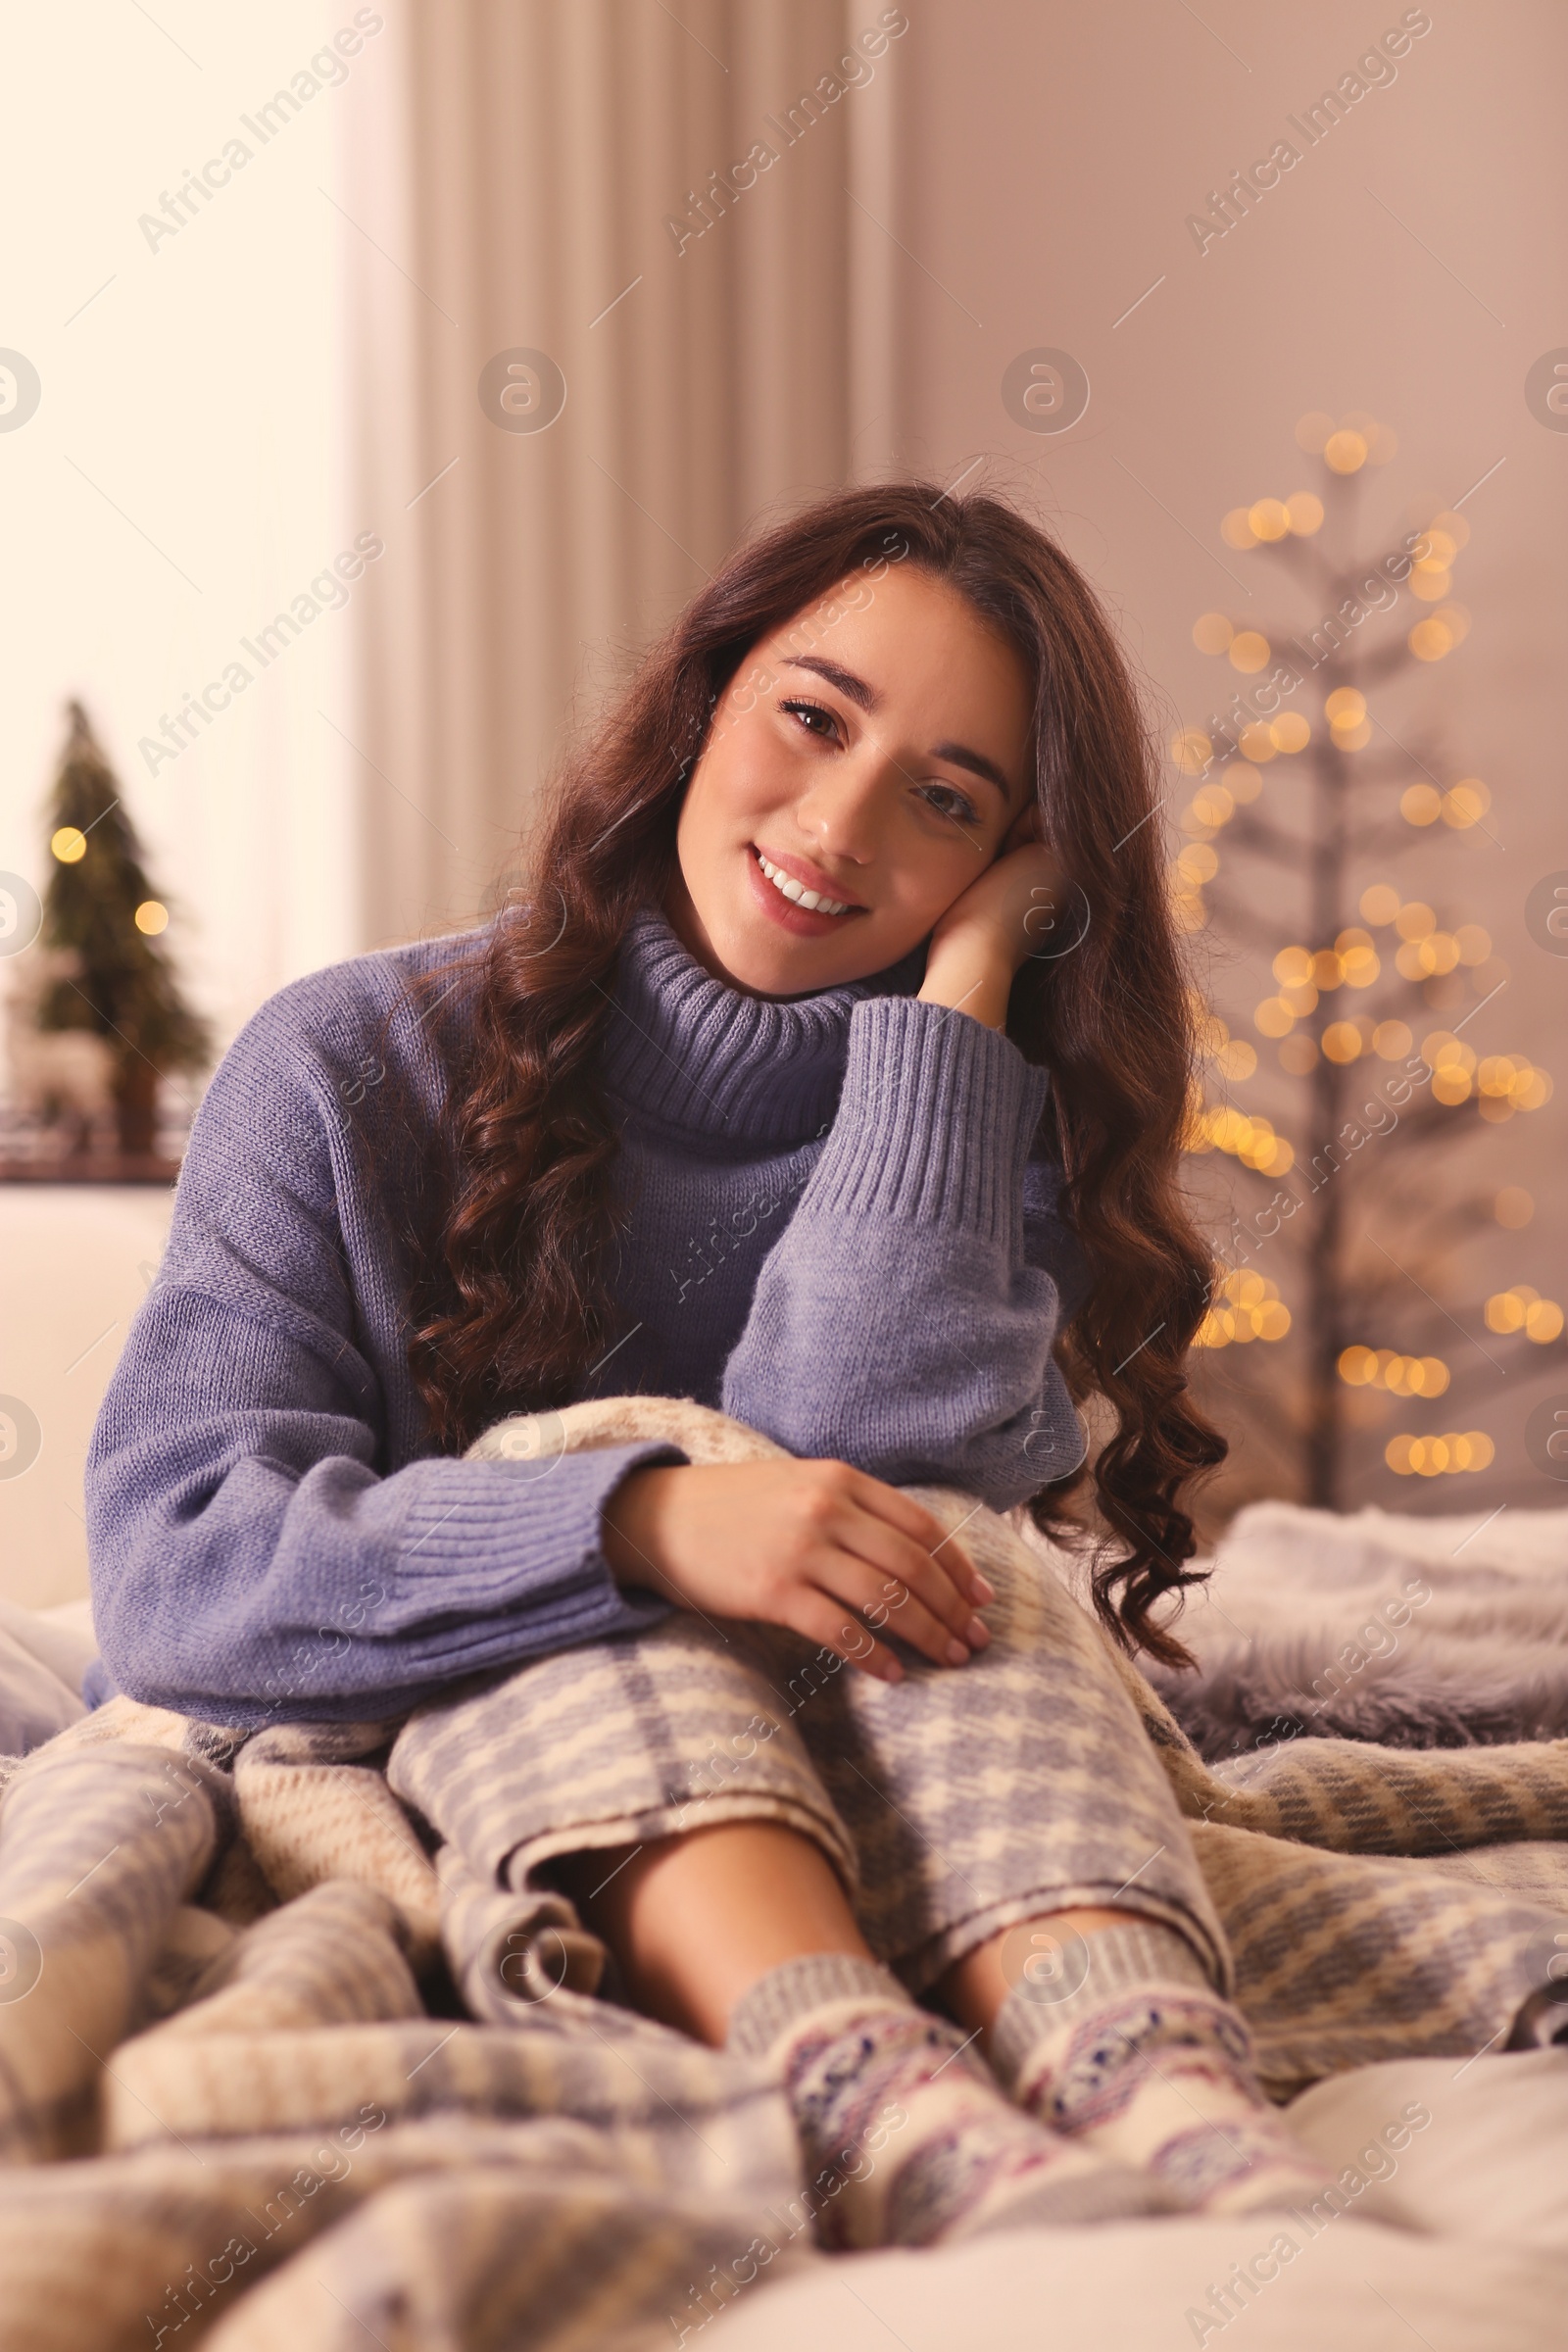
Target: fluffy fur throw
[{"x": 1409, "y": 1632}]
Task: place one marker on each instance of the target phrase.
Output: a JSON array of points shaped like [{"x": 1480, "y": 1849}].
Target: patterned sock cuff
[
  {"x": 797, "y": 1987},
  {"x": 1121, "y": 1959}
]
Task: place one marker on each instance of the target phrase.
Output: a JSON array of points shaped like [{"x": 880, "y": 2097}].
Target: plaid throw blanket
[{"x": 273, "y": 2071}]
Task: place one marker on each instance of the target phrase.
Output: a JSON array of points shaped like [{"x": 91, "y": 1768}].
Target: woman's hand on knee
[{"x": 818, "y": 1546}]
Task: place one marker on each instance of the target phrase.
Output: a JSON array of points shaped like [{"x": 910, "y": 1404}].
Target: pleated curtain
[{"x": 541, "y": 182}]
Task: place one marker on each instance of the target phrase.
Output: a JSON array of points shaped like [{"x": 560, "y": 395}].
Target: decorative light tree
[
  {"x": 111, "y": 976},
  {"x": 1374, "y": 991}
]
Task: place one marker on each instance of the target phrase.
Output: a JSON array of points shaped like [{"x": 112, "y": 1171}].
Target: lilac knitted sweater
[{"x": 830, "y": 1224}]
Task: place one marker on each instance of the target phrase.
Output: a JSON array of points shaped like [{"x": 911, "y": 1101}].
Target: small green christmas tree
[{"x": 102, "y": 920}]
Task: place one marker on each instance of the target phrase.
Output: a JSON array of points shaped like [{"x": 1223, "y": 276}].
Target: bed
[{"x": 245, "y": 2109}]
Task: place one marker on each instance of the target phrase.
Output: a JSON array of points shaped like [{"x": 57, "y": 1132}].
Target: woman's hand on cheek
[
  {"x": 992, "y": 913},
  {"x": 990, "y": 929}
]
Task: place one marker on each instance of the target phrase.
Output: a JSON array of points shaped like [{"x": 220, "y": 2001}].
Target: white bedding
[{"x": 1461, "y": 2245}]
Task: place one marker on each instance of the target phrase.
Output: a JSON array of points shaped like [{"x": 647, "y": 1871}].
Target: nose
[{"x": 843, "y": 814}]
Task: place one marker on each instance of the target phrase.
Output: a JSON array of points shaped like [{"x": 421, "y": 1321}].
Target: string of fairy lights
[{"x": 1404, "y": 935}]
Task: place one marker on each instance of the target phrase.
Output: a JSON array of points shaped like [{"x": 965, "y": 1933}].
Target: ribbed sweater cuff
[
  {"x": 479, "y": 1528},
  {"x": 934, "y": 1124}
]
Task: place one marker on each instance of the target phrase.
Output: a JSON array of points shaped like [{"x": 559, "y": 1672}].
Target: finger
[
  {"x": 887, "y": 1605},
  {"x": 949, "y": 1589},
  {"x": 911, "y": 1519},
  {"x": 813, "y": 1614},
  {"x": 902, "y": 1562}
]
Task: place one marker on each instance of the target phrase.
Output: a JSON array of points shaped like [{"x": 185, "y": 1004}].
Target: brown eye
[
  {"x": 806, "y": 711},
  {"x": 964, "y": 813}
]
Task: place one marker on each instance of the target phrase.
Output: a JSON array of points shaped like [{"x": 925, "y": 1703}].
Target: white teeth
[{"x": 813, "y": 900}]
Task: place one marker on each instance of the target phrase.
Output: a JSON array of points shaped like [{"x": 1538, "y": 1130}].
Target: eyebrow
[{"x": 857, "y": 690}]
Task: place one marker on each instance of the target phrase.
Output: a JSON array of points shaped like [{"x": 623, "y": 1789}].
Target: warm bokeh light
[
  {"x": 1197, "y": 865},
  {"x": 1430, "y": 581},
  {"x": 1429, "y": 1457},
  {"x": 1522, "y": 1308},
  {"x": 1440, "y": 633},
  {"x": 1237, "y": 530},
  {"x": 1466, "y": 803},
  {"x": 1290, "y": 733},
  {"x": 1191, "y": 751},
  {"x": 1380, "y": 905},
  {"x": 1349, "y": 724},
  {"x": 1248, "y": 650},
  {"x": 152, "y": 917},
  {"x": 1401, "y": 1375},
  {"x": 1257, "y": 743},
  {"x": 1429, "y": 957},
  {"x": 1241, "y": 781},
  {"x": 1213, "y": 633},
  {"x": 1452, "y": 1064},
  {"x": 1209, "y": 808},
  {"x": 1344, "y": 453},
  {"x": 1305, "y": 513},
  {"x": 1253, "y": 1142},
  {"x": 1269, "y": 519},
  {"x": 1246, "y": 1306},
  {"x": 1358, "y": 958},
  {"x": 68, "y": 844},
  {"x": 1236, "y": 1060},
  {"x": 1391, "y": 1041},
  {"x": 1510, "y": 1082}
]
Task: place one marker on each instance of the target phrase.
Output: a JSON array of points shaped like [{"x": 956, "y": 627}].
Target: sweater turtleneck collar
[{"x": 688, "y": 1051}]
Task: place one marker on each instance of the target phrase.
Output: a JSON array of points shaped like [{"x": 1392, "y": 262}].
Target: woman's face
[{"x": 875, "y": 751}]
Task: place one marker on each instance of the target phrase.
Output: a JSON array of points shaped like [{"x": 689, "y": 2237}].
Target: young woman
[{"x": 831, "y": 1070}]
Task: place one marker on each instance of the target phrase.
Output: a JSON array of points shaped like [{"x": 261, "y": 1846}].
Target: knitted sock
[
  {"x": 907, "y": 2137},
  {"x": 1145, "y": 2063}
]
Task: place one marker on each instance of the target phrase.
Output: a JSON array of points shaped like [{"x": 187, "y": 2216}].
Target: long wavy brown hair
[{"x": 510, "y": 1306}]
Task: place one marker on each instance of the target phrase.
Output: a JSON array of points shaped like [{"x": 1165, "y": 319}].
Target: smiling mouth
[{"x": 813, "y": 901}]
